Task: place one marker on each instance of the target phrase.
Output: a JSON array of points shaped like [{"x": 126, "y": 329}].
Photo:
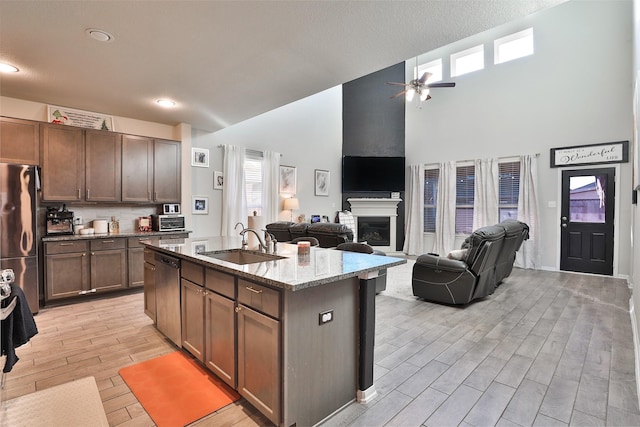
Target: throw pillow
[{"x": 459, "y": 254}]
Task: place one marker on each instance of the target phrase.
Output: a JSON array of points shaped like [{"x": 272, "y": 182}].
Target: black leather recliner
[
  {"x": 328, "y": 234},
  {"x": 516, "y": 232},
  {"x": 440, "y": 279}
]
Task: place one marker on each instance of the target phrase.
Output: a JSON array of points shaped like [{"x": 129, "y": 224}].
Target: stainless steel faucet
[{"x": 263, "y": 247}]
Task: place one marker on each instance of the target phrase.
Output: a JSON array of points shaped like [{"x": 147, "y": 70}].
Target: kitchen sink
[{"x": 241, "y": 257}]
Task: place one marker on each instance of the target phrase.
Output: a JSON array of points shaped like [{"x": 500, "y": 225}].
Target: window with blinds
[
  {"x": 253, "y": 183},
  {"x": 509, "y": 188},
  {"x": 431, "y": 177},
  {"x": 465, "y": 182}
]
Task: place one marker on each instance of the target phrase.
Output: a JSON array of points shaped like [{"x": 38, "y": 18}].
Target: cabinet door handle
[
  {"x": 155, "y": 195},
  {"x": 254, "y": 290},
  {"x": 78, "y": 193},
  {"x": 93, "y": 253},
  {"x": 108, "y": 241},
  {"x": 65, "y": 244},
  {"x": 87, "y": 193}
]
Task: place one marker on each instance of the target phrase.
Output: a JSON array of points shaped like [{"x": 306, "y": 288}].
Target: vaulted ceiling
[{"x": 221, "y": 61}]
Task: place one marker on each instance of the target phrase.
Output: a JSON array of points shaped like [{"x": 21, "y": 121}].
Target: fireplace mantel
[{"x": 376, "y": 207}]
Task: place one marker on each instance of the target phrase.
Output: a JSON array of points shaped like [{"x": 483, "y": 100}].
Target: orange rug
[{"x": 175, "y": 390}]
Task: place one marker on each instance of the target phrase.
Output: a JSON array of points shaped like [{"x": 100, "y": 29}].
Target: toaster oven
[{"x": 168, "y": 222}]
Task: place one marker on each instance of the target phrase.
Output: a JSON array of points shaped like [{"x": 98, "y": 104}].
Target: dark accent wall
[{"x": 373, "y": 125}]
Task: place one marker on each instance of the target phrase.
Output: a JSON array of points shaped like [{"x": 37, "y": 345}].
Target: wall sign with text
[{"x": 593, "y": 154}]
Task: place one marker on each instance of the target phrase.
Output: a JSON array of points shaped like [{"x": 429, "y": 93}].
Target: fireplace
[
  {"x": 376, "y": 221},
  {"x": 374, "y": 230}
]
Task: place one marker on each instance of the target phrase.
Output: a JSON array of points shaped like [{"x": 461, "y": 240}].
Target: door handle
[
  {"x": 564, "y": 218},
  {"x": 564, "y": 225}
]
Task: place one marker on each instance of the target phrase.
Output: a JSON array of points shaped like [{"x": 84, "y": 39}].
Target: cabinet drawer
[
  {"x": 104, "y": 244},
  {"x": 134, "y": 242},
  {"x": 66, "y": 247},
  {"x": 220, "y": 282},
  {"x": 259, "y": 297},
  {"x": 192, "y": 272}
]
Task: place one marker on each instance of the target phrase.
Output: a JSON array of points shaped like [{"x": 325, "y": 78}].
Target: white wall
[
  {"x": 575, "y": 90},
  {"x": 308, "y": 133}
]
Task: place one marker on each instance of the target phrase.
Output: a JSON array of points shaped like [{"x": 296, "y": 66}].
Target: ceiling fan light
[{"x": 410, "y": 94}]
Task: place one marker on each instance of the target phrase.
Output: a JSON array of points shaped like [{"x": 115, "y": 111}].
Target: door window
[{"x": 587, "y": 198}]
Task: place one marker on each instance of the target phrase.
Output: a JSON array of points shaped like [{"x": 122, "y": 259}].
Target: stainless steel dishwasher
[{"x": 168, "y": 297}]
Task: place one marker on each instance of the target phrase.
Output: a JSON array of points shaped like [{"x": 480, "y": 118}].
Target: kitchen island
[{"x": 293, "y": 334}]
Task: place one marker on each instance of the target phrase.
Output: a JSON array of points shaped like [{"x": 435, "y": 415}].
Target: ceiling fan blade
[
  {"x": 398, "y": 94},
  {"x": 424, "y": 77},
  {"x": 398, "y": 84},
  {"x": 428, "y": 97},
  {"x": 446, "y": 84}
]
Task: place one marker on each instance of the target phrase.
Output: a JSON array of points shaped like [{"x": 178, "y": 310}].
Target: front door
[{"x": 587, "y": 220}]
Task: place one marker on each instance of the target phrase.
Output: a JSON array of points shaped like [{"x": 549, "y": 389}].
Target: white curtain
[
  {"x": 414, "y": 229},
  {"x": 528, "y": 255},
  {"x": 446, "y": 209},
  {"x": 234, "y": 200},
  {"x": 270, "y": 196},
  {"x": 486, "y": 188}
]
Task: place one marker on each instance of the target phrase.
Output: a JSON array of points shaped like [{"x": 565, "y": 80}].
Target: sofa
[
  {"x": 329, "y": 235},
  {"x": 484, "y": 260}
]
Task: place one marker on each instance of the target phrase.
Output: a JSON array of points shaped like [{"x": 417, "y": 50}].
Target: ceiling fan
[{"x": 419, "y": 87}]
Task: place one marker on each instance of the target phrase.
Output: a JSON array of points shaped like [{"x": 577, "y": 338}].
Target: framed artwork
[
  {"x": 200, "y": 157},
  {"x": 218, "y": 180},
  {"x": 592, "y": 154},
  {"x": 322, "y": 182},
  {"x": 199, "y": 246},
  {"x": 200, "y": 205},
  {"x": 288, "y": 179}
]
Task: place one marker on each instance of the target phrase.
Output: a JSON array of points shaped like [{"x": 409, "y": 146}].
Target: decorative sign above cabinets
[
  {"x": 79, "y": 118},
  {"x": 593, "y": 154}
]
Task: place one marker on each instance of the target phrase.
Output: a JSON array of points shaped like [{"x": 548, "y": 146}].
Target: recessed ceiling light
[
  {"x": 7, "y": 68},
  {"x": 99, "y": 35},
  {"x": 167, "y": 103}
]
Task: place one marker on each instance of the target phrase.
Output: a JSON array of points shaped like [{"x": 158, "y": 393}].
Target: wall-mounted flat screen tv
[{"x": 360, "y": 174}]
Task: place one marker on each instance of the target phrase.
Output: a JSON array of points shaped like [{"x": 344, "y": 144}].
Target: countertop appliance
[
  {"x": 168, "y": 222},
  {"x": 18, "y": 240},
  {"x": 59, "y": 221}
]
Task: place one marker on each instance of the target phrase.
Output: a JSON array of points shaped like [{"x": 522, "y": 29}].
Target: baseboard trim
[{"x": 636, "y": 345}]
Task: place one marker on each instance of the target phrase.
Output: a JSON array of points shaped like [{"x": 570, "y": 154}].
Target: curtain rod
[{"x": 251, "y": 150}]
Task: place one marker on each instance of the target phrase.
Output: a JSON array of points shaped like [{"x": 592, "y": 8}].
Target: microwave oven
[{"x": 168, "y": 222}]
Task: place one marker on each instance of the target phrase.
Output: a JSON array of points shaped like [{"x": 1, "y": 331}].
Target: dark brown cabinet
[
  {"x": 192, "y": 319},
  {"x": 166, "y": 171},
  {"x": 81, "y": 267},
  {"x": 66, "y": 269},
  {"x": 149, "y": 284},
  {"x": 108, "y": 264},
  {"x": 62, "y": 163},
  {"x": 103, "y": 170},
  {"x": 137, "y": 169},
  {"x": 19, "y": 141}
]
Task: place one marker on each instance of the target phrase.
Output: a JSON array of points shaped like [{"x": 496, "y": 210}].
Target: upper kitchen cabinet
[
  {"x": 137, "y": 169},
  {"x": 62, "y": 163},
  {"x": 166, "y": 176},
  {"x": 19, "y": 141},
  {"x": 103, "y": 168}
]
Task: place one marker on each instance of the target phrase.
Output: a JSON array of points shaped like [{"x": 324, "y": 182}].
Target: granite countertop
[
  {"x": 293, "y": 272},
  {"x": 65, "y": 237}
]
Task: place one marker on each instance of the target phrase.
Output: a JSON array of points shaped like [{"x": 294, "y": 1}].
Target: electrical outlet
[
  {"x": 325, "y": 317},
  {"x": 77, "y": 220}
]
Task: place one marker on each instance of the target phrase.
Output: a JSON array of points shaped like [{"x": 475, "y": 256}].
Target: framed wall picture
[
  {"x": 200, "y": 205},
  {"x": 218, "y": 180},
  {"x": 322, "y": 182},
  {"x": 288, "y": 179},
  {"x": 200, "y": 157}
]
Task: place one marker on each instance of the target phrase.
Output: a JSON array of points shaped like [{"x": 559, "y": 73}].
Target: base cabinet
[
  {"x": 259, "y": 361},
  {"x": 149, "y": 285},
  {"x": 220, "y": 349},
  {"x": 192, "y": 319}
]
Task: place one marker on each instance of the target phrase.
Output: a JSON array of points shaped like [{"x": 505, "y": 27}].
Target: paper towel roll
[{"x": 257, "y": 223}]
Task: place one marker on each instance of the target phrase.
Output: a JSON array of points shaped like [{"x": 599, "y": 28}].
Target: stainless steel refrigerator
[{"x": 18, "y": 240}]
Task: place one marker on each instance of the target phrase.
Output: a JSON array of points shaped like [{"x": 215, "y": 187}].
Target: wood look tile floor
[{"x": 545, "y": 349}]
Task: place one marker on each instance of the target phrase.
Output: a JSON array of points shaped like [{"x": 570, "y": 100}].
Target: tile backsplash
[{"x": 126, "y": 215}]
